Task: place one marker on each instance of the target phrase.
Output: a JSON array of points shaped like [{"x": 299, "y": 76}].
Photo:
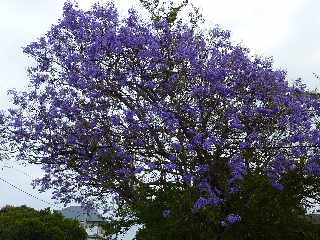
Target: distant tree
[
  {"x": 161, "y": 117},
  {"x": 17, "y": 223}
]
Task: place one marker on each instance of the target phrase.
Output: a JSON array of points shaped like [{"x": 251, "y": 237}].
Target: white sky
[{"x": 288, "y": 30}]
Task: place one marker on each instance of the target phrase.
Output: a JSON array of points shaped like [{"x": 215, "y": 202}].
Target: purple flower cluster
[
  {"x": 166, "y": 213},
  {"x": 312, "y": 168},
  {"x": 232, "y": 218},
  {"x": 238, "y": 170}
]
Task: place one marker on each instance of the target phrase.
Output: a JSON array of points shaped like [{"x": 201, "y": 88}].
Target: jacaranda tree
[{"x": 159, "y": 114}]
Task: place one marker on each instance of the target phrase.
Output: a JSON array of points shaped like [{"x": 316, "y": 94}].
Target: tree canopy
[
  {"x": 138, "y": 113},
  {"x": 29, "y": 224}
]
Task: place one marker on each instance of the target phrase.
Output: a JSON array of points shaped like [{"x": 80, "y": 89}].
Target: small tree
[
  {"x": 29, "y": 224},
  {"x": 162, "y": 115}
]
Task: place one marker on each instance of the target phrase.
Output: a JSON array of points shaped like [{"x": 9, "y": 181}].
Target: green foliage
[
  {"x": 267, "y": 213},
  {"x": 181, "y": 223},
  {"x": 17, "y": 223}
]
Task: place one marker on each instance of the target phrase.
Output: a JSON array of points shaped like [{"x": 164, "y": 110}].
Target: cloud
[
  {"x": 287, "y": 30},
  {"x": 19, "y": 25},
  {"x": 300, "y": 52},
  {"x": 259, "y": 24}
]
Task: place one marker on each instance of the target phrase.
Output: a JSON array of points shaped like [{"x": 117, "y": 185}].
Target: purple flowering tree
[{"x": 119, "y": 105}]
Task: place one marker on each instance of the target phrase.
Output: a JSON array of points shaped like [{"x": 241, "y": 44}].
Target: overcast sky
[{"x": 287, "y": 30}]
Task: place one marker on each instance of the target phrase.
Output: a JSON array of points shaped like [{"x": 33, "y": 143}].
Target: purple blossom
[
  {"x": 215, "y": 201},
  {"x": 129, "y": 115},
  {"x": 297, "y": 138},
  {"x": 187, "y": 178},
  {"x": 209, "y": 143},
  {"x": 150, "y": 84},
  {"x": 172, "y": 158},
  {"x": 278, "y": 186},
  {"x": 139, "y": 169},
  {"x": 299, "y": 151},
  {"x": 312, "y": 168},
  {"x": 166, "y": 213},
  {"x": 152, "y": 166},
  {"x": 200, "y": 203},
  {"x": 203, "y": 168},
  {"x": 244, "y": 145},
  {"x": 197, "y": 140},
  {"x": 170, "y": 166},
  {"x": 177, "y": 146},
  {"x": 233, "y": 218},
  {"x": 236, "y": 123},
  {"x": 124, "y": 172},
  {"x": 237, "y": 166},
  {"x": 115, "y": 120}
]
